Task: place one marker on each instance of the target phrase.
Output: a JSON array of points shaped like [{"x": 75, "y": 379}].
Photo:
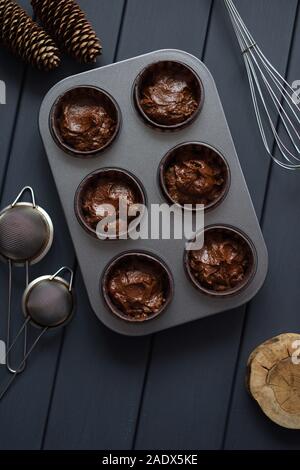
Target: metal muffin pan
[{"x": 139, "y": 149}]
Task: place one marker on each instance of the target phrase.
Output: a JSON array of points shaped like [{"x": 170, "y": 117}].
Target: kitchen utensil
[
  {"x": 276, "y": 109},
  {"x": 48, "y": 302},
  {"x": 26, "y": 235}
]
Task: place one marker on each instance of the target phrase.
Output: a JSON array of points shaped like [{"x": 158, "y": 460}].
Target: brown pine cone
[
  {"x": 66, "y": 23},
  {"x": 25, "y": 38},
  {"x": 2, "y": 5}
]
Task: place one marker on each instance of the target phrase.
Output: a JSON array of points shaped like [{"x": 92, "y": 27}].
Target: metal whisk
[{"x": 276, "y": 108}]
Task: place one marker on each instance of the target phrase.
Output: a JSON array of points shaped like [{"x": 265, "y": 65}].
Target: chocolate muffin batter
[
  {"x": 169, "y": 100},
  {"x": 104, "y": 190},
  {"x": 84, "y": 124},
  {"x": 224, "y": 261},
  {"x": 137, "y": 290},
  {"x": 196, "y": 177}
]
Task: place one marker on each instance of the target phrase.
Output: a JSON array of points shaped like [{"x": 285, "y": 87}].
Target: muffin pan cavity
[
  {"x": 224, "y": 265},
  {"x": 168, "y": 94},
  {"x": 85, "y": 120},
  {"x": 145, "y": 156},
  {"x": 137, "y": 286},
  {"x": 196, "y": 174},
  {"x": 108, "y": 188}
]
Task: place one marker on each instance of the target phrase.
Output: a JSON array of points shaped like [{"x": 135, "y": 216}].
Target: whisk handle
[{"x": 243, "y": 35}]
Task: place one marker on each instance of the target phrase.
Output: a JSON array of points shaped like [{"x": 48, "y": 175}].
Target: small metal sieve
[
  {"x": 26, "y": 235},
  {"x": 48, "y": 302}
]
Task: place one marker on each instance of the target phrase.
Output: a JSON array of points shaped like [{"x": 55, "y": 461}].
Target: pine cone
[
  {"x": 2, "y": 5},
  {"x": 66, "y": 23},
  {"x": 25, "y": 38}
]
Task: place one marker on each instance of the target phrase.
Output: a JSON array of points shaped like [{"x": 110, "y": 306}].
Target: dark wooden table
[{"x": 88, "y": 388}]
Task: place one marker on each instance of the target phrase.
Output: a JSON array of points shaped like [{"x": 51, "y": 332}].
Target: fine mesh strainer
[
  {"x": 26, "y": 235},
  {"x": 48, "y": 303}
]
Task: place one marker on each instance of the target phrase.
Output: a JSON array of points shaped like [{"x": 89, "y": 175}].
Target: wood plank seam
[
  {"x": 271, "y": 165},
  {"x": 145, "y": 380},
  {"x": 12, "y": 135},
  {"x": 60, "y": 350},
  {"x": 56, "y": 371},
  {"x": 122, "y": 21},
  {"x": 14, "y": 127}
]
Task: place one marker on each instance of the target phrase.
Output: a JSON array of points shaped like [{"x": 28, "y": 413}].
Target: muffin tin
[{"x": 139, "y": 149}]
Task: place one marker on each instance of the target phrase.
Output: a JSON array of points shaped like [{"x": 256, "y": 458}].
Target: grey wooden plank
[
  {"x": 163, "y": 24},
  {"x": 23, "y": 412},
  {"x": 275, "y": 310},
  {"x": 11, "y": 72},
  {"x": 98, "y": 385},
  {"x": 107, "y": 419},
  {"x": 195, "y": 415}
]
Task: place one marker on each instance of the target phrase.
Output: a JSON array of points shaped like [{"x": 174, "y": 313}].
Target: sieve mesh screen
[
  {"x": 24, "y": 233},
  {"x": 49, "y": 303}
]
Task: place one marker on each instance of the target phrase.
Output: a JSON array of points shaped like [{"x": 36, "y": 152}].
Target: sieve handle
[
  {"x": 70, "y": 271},
  {"x": 24, "y": 327},
  {"x": 10, "y": 381},
  {"x": 26, "y": 188}
]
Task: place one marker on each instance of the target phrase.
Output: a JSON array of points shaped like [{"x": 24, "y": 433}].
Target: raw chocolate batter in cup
[
  {"x": 137, "y": 290},
  {"x": 85, "y": 120},
  {"x": 224, "y": 264},
  {"x": 194, "y": 173},
  {"x": 137, "y": 287},
  {"x": 168, "y": 94},
  {"x": 108, "y": 192}
]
